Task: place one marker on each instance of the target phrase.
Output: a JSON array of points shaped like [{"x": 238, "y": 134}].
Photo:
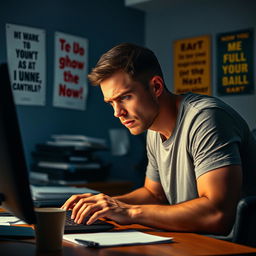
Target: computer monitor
[{"x": 15, "y": 195}]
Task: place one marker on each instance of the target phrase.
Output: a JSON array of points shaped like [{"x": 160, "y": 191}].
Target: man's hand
[{"x": 97, "y": 206}]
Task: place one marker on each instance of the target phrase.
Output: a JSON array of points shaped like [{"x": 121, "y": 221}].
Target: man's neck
[{"x": 165, "y": 122}]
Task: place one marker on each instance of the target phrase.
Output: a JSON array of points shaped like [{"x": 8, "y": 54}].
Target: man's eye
[{"x": 125, "y": 97}]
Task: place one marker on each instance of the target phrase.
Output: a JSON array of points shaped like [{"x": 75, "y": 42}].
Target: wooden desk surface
[{"x": 183, "y": 244}]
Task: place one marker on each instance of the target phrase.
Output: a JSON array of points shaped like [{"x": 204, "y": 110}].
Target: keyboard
[
  {"x": 97, "y": 226},
  {"x": 72, "y": 227}
]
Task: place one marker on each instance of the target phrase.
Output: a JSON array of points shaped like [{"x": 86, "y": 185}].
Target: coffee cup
[{"x": 49, "y": 228}]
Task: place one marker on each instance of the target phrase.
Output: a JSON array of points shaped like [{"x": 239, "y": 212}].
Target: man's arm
[
  {"x": 213, "y": 212},
  {"x": 151, "y": 193},
  {"x": 84, "y": 204}
]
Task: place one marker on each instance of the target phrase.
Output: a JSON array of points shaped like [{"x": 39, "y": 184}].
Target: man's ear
[{"x": 157, "y": 85}]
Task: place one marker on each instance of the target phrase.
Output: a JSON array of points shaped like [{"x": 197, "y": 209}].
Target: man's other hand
[{"x": 98, "y": 206}]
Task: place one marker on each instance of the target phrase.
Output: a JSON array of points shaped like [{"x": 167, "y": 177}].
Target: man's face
[{"x": 134, "y": 105}]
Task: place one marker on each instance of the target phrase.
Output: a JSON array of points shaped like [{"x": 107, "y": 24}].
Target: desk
[{"x": 184, "y": 244}]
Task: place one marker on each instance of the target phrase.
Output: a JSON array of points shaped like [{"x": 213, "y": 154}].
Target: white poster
[
  {"x": 71, "y": 61},
  {"x": 26, "y": 61}
]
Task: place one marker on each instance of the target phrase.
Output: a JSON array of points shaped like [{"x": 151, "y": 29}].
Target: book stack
[{"x": 68, "y": 159}]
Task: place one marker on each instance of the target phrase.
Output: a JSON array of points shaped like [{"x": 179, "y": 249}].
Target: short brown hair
[{"x": 139, "y": 62}]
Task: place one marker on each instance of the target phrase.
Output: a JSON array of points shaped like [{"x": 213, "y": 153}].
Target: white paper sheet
[
  {"x": 117, "y": 238},
  {"x": 8, "y": 220}
]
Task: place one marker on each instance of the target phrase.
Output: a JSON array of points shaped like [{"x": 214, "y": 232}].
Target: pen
[{"x": 87, "y": 243}]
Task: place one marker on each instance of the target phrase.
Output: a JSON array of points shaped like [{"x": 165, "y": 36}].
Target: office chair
[{"x": 244, "y": 230}]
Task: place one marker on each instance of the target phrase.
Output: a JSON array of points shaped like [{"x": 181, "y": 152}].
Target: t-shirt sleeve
[
  {"x": 215, "y": 141},
  {"x": 152, "y": 167}
]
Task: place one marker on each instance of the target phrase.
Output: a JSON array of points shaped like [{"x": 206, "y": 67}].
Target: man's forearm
[
  {"x": 197, "y": 215},
  {"x": 138, "y": 196}
]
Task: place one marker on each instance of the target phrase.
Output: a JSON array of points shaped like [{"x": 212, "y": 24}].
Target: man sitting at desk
[{"x": 201, "y": 154}]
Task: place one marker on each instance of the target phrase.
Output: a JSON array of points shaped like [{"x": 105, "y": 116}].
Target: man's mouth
[{"x": 128, "y": 123}]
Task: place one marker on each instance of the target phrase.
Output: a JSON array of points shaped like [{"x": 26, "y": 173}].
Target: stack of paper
[
  {"x": 10, "y": 220},
  {"x": 77, "y": 140},
  {"x": 57, "y": 192},
  {"x": 67, "y": 159}
]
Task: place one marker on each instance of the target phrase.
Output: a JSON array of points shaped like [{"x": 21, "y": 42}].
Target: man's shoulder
[
  {"x": 201, "y": 102},
  {"x": 204, "y": 105}
]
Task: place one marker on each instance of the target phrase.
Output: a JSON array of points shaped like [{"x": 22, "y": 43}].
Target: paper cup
[{"x": 49, "y": 228}]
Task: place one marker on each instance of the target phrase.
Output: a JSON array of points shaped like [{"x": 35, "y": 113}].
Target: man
[{"x": 200, "y": 151}]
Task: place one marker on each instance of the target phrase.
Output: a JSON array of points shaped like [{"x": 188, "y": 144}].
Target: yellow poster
[{"x": 192, "y": 65}]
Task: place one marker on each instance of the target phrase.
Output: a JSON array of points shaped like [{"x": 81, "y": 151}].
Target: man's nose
[{"x": 119, "y": 110}]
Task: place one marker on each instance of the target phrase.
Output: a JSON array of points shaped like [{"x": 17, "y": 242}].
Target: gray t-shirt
[{"x": 208, "y": 135}]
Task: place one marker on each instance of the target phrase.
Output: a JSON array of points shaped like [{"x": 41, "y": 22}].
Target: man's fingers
[
  {"x": 87, "y": 209},
  {"x": 80, "y": 207},
  {"x": 76, "y": 208},
  {"x": 97, "y": 215},
  {"x": 69, "y": 204},
  {"x": 83, "y": 208},
  {"x": 82, "y": 212},
  {"x": 97, "y": 206}
]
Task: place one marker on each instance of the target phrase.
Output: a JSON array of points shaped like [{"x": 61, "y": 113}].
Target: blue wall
[
  {"x": 104, "y": 23},
  {"x": 172, "y": 20}
]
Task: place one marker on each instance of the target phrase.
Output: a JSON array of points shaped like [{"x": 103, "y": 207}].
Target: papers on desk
[
  {"x": 10, "y": 220},
  {"x": 115, "y": 238},
  {"x": 55, "y": 195},
  {"x": 57, "y": 192}
]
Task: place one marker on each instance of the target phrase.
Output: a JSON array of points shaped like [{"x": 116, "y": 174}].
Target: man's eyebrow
[{"x": 117, "y": 96}]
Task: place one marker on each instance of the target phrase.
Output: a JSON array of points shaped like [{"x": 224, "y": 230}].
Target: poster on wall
[
  {"x": 26, "y": 61},
  {"x": 235, "y": 63},
  {"x": 70, "y": 80},
  {"x": 192, "y": 65}
]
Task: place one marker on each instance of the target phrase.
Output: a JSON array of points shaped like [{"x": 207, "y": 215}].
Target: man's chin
[{"x": 135, "y": 131}]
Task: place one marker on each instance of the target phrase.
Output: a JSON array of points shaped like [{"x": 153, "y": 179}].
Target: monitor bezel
[{"x": 14, "y": 176}]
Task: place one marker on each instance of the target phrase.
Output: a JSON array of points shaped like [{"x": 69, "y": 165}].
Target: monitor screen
[{"x": 15, "y": 195}]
